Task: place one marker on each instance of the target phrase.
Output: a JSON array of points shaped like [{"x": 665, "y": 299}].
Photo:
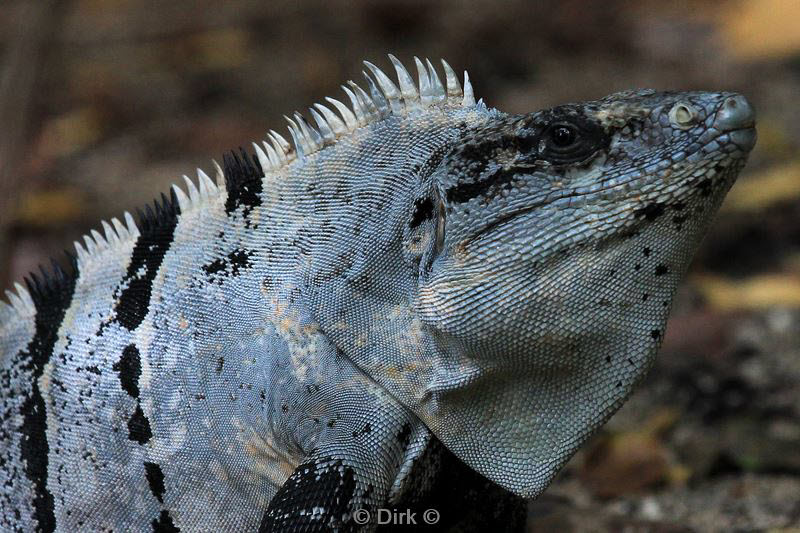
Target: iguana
[{"x": 418, "y": 292}]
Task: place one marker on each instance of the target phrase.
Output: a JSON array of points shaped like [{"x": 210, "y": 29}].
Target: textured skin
[{"x": 424, "y": 290}]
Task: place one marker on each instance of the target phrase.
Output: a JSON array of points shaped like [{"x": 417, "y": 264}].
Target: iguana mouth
[
  {"x": 575, "y": 193},
  {"x": 736, "y": 118},
  {"x": 508, "y": 216},
  {"x": 743, "y": 138}
]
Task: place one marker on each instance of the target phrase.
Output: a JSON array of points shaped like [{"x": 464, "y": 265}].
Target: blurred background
[{"x": 104, "y": 103}]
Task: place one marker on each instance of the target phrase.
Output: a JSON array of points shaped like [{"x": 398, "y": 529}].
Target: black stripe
[
  {"x": 229, "y": 266},
  {"x": 466, "y": 191},
  {"x": 243, "y": 181},
  {"x": 157, "y": 228},
  {"x": 139, "y": 426},
  {"x": 51, "y": 297},
  {"x": 472, "y": 156},
  {"x": 155, "y": 478},
  {"x": 129, "y": 367}
]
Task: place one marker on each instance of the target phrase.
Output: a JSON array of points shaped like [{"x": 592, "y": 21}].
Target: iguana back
[{"x": 285, "y": 348}]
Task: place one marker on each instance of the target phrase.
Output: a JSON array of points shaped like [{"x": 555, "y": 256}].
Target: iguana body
[{"x": 290, "y": 346}]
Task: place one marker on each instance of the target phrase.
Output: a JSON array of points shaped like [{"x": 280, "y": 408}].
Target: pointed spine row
[
  {"x": 382, "y": 99},
  {"x": 20, "y": 303}
]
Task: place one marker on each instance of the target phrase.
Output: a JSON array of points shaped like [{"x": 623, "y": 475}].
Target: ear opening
[
  {"x": 439, "y": 227},
  {"x": 441, "y": 223}
]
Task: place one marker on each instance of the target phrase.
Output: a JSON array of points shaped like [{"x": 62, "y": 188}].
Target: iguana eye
[
  {"x": 563, "y": 136},
  {"x": 565, "y": 142}
]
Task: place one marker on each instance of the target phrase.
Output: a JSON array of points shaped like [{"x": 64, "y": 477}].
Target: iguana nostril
[
  {"x": 682, "y": 115},
  {"x": 735, "y": 113}
]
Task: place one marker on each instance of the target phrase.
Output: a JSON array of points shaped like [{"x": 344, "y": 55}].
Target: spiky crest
[{"x": 383, "y": 99}]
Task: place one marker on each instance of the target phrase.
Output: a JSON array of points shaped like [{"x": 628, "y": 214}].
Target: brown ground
[{"x": 104, "y": 103}]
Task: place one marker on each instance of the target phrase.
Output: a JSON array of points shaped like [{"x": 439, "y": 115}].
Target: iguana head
[
  {"x": 561, "y": 236},
  {"x": 508, "y": 277}
]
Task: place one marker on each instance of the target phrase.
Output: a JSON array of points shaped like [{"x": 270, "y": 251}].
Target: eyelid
[{"x": 582, "y": 147}]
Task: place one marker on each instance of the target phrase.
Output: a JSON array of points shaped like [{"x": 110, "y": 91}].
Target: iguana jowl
[{"x": 287, "y": 346}]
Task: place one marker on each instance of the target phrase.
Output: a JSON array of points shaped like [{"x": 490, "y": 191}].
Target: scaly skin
[{"x": 421, "y": 291}]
